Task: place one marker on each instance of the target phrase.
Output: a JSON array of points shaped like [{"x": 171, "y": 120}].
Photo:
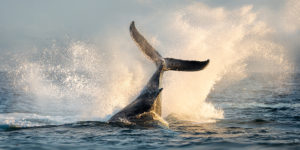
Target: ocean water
[{"x": 267, "y": 119}]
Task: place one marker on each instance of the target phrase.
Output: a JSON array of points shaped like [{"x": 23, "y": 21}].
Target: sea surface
[{"x": 258, "y": 114}]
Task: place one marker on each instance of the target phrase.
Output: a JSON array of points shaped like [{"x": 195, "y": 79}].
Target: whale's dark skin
[{"x": 146, "y": 108}]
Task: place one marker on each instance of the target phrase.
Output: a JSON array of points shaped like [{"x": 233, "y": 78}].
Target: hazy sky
[{"x": 24, "y": 24}]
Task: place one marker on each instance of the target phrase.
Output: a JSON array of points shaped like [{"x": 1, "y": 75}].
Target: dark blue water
[{"x": 258, "y": 114}]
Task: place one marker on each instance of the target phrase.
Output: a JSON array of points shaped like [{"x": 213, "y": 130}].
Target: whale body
[{"x": 146, "y": 108}]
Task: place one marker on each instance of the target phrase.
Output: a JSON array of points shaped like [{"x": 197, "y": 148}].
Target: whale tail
[
  {"x": 167, "y": 63},
  {"x": 147, "y": 106}
]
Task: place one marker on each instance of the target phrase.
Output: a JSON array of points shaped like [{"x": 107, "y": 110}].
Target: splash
[
  {"x": 75, "y": 81},
  {"x": 81, "y": 81},
  {"x": 234, "y": 41}
]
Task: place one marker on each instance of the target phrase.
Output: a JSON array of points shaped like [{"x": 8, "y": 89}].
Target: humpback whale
[{"x": 146, "y": 108}]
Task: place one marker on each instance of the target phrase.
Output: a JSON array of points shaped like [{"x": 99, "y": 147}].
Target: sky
[{"x": 35, "y": 23}]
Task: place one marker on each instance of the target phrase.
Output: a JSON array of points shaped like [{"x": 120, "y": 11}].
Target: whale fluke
[
  {"x": 185, "y": 65},
  {"x": 143, "y": 44},
  {"x": 168, "y": 63}
]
